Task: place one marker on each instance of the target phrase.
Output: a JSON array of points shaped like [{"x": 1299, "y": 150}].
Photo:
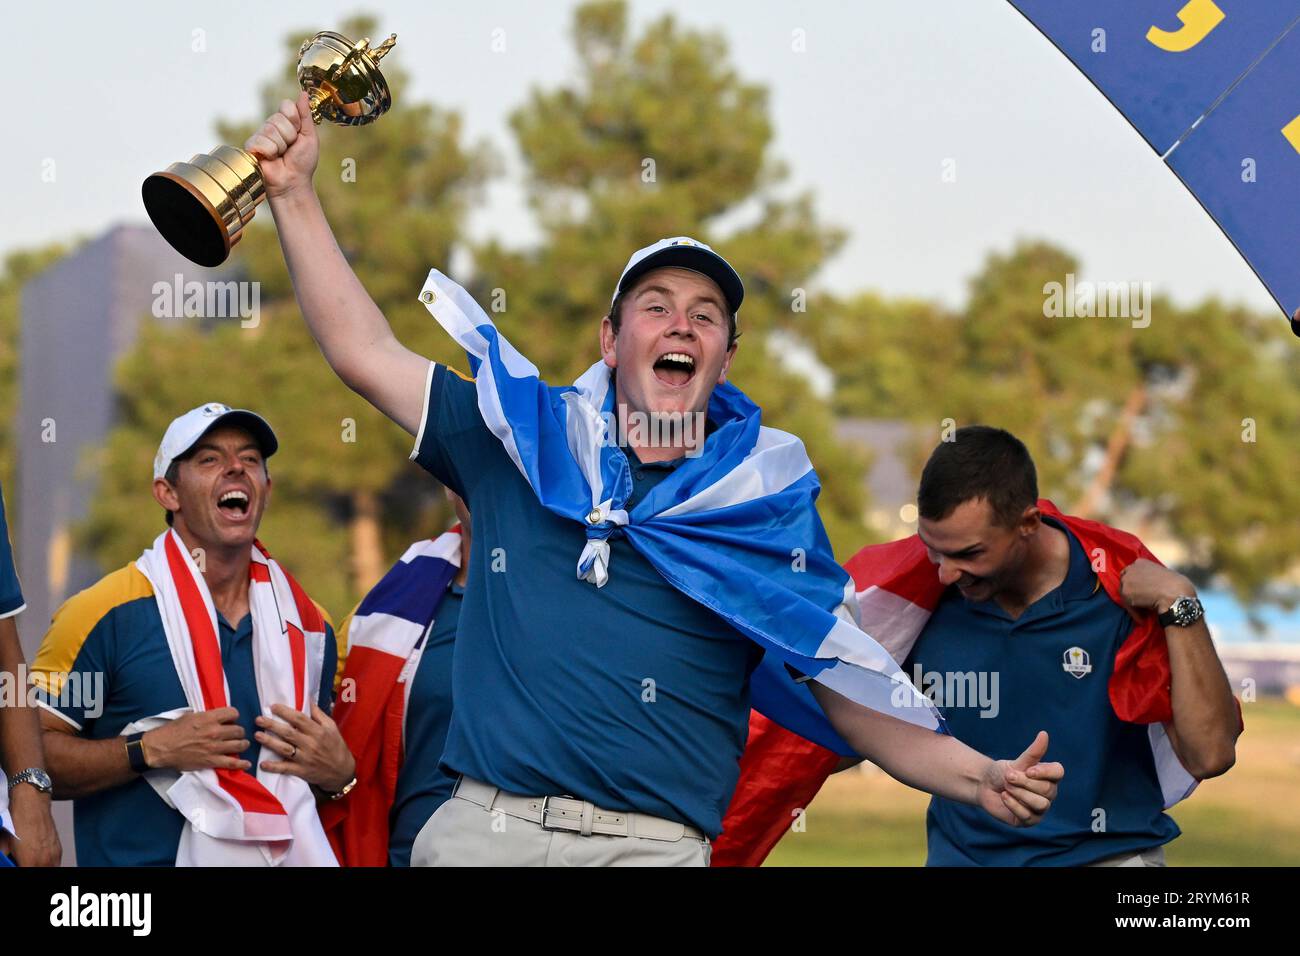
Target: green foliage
[
  {"x": 650, "y": 98},
  {"x": 1193, "y": 379},
  {"x": 313, "y": 474},
  {"x": 659, "y": 136},
  {"x": 1220, "y": 462},
  {"x": 414, "y": 183},
  {"x": 397, "y": 191}
]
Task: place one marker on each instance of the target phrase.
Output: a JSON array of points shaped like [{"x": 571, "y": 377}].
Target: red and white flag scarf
[
  {"x": 897, "y": 589},
  {"x": 236, "y": 818}
]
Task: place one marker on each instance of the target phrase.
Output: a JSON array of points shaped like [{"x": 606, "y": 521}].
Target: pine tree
[
  {"x": 345, "y": 500},
  {"x": 658, "y": 135}
]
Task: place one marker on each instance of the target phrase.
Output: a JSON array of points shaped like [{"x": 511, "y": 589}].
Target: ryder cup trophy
[{"x": 201, "y": 207}]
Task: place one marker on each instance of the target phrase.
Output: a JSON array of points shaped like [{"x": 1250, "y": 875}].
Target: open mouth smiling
[
  {"x": 234, "y": 504},
  {"x": 675, "y": 369}
]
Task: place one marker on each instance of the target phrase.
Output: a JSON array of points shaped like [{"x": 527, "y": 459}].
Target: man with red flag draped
[{"x": 1007, "y": 612}]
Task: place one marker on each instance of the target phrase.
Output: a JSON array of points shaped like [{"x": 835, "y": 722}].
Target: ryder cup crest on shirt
[{"x": 1076, "y": 662}]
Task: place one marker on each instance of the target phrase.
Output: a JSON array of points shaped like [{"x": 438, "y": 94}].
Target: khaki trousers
[
  {"x": 1152, "y": 857},
  {"x": 462, "y": 833}
]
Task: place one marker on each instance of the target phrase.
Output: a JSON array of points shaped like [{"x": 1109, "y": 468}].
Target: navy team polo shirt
[
  {"x": 631, "y": 696},
  {"x": 110, "y": 637},
  {"x": 1109, "y": 801},
  {"x": 422, "y": 786}
]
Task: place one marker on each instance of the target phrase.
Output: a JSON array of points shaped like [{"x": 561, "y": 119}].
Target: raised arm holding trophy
[
  {"x": 602, "y": 770},
  {"x": 201, "y": 207}
]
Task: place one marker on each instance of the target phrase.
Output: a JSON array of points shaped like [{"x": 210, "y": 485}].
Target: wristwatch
[
  {"x": 37, "y": 777},
  {"x": 1182, "y": 613},
  {"x": 337, "y": 796},
  {"x": 135, "y": 753}
]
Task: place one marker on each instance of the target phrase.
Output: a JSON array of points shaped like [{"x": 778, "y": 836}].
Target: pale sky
[{"x": 884, "y": 93}]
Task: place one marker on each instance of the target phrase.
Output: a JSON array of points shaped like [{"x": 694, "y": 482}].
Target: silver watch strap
[{"x": 30, "y": 775}]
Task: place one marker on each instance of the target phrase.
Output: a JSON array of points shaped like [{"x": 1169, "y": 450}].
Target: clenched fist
[
  {"x": 1147, "y": 585},
  {"x": 287, "y": 148}
]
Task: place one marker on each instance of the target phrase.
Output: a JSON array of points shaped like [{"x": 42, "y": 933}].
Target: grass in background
[{"x": 1248, "y": 817}]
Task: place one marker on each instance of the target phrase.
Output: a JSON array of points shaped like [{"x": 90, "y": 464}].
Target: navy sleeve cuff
[{"x": 425, "y": 451}]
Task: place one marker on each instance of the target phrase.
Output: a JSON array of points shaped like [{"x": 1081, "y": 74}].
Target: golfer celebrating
[
  {"x": 622, "y": 591},
  {"x": 211, "y": 744}
]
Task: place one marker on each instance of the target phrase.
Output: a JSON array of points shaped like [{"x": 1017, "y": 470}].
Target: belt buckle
[
  {"x": 565, "y": 825},
  {"x": 545, "y": 800}
]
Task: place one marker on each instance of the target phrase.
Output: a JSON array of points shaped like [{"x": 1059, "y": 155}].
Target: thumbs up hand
[{"x": 1018, "y": 792}]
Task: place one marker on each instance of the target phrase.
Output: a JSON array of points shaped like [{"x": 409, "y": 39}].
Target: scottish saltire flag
[
  {"x": 1214, "y": 87},
  {"x": 734, "y": 528}
]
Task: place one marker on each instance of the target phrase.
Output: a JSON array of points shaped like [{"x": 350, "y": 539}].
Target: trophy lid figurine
[{"x": 201, "y": 207}]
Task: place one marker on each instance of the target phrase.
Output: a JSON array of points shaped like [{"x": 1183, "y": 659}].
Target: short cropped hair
[{"x": 980, "y": 462}]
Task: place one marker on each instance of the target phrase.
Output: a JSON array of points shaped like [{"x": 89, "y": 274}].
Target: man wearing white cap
[
  {"x": 598, "y": 717},
  {"x": 165, "y": 684}
]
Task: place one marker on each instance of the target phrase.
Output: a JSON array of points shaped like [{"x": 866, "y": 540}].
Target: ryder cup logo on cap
[
  {"x": 184, "y": 432},
  {"x": 683, "y": 252}
]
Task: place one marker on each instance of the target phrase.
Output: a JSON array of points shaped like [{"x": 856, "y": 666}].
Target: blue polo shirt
[
  {"x": 104, "y": 663},
  {"x": 422, "y": 786},
  {"x": 1110, "y": 800},
  {"x": 11, "y": 593},
  {"x": 631, "y": 696}
]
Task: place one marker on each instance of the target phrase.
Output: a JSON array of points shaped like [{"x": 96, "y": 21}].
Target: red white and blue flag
[
  {"x": 897, "y": 589},
  {"x": 385, "y": 640}
]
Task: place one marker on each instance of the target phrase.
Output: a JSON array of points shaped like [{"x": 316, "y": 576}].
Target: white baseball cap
[
  {"x": 184, "y": 432},
  {"x": 684, "y": 252}
]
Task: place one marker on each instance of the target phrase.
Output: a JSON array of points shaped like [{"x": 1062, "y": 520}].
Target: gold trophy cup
[{"x": 201, "y": 207}]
